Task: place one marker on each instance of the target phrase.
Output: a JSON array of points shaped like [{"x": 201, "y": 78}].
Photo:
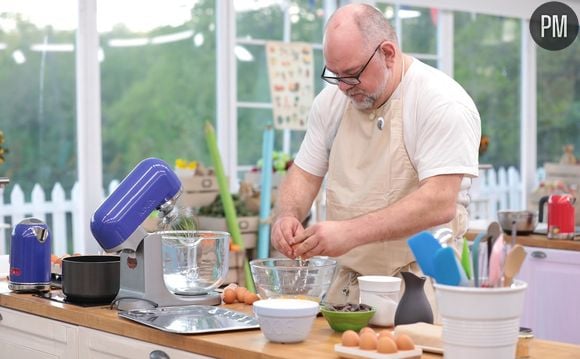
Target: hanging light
[
  {"x": 243, "y": 54},
  {"x": 18, "y": 57}
]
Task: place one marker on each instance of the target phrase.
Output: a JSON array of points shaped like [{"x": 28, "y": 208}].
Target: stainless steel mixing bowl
[
  {"x": 290, "y": 278},
  {"x": 525, "y": 221}
]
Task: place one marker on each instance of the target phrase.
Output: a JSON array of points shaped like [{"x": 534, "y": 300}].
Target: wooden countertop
[
  {"x": 541, "y": 241},
  {"x": 248, "y": 344}
]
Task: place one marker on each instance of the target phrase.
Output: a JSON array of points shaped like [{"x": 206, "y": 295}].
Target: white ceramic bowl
[{"x": 285, "y": 320}]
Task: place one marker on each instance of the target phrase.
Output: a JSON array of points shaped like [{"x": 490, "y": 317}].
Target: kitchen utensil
[
  {"x": 475, "y": 252},
  {"x": 480, "y": 323},
  {"x": 194, "y": 262},
  {"x": 424, "y": 246},
  {"x": 287, "y": 278},
  {"x": 496, "y": 262},
  {"x": 90, "y": 278},
  {"x": 493, "y": 232},
  {"x": 285, "y": 320},
  {"x": 116, "y": 225},
  {"x": 561, "y": 215},
  {"x": 382, "y": 293},
  {"x": 466, "y": 259},
  {"x": 192, "y": 319},
  {"x": 414, "y": 305},
  {"x": 30, "y": 249},
  {"x": 447, "y": 268},
  {"x": 513, "y": 263},
  {"x": 340, "y": 321},
  {"x": 526, "y": 221}
]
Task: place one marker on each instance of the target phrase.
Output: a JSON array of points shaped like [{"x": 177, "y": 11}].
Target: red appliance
[{"x": 561, "y": 216}]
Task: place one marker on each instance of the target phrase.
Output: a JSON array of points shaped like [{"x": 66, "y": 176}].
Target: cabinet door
[
  {"x": 25, "y": 336},
  {"x": 551, "y": 302},
  {"x": 95, "y": 344}
]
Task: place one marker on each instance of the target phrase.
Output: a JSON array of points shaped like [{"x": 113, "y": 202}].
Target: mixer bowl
[
  {"x": 194, "y": 262},
  {"x": 525, "y": 221},
  {"x": 290, "y": 278}
]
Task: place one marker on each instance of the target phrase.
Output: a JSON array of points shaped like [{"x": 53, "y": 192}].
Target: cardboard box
[
  {"x": 248, "y": 227},
  {"x": 255, "y": 178},
  {"x": 198, "y": 191}
]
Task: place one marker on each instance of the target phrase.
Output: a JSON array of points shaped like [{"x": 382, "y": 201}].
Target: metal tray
[{"x": 192, "y": 319}]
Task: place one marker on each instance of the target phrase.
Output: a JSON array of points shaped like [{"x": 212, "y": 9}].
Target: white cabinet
[
  {"x": 25, "y": 336},
  {"x": 552, "y": 300},
  {"x": 94, "y": 344}
]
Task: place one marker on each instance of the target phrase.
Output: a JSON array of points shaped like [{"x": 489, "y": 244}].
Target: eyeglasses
[{"x": 332, "y": 79}]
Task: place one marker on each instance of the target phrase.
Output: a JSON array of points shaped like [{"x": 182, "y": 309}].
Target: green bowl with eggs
[{"x": 342, "y": 320}]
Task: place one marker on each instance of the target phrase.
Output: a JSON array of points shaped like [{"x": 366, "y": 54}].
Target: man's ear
[{"x": 389, "y": 50}]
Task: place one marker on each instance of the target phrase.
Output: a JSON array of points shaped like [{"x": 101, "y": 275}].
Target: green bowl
[{"x": 341, "y": 321}]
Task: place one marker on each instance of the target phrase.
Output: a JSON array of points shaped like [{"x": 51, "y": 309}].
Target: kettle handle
[{"x": 543, "y": 201}]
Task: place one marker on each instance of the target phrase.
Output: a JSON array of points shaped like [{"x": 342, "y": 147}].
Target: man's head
[{"x": 359, "y": 34}]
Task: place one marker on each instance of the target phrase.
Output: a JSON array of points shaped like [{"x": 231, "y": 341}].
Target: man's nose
[{"x": 344, "y": 86}]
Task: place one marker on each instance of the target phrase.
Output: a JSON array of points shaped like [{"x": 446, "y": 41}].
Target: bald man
[{"x": 398, "y": 143}]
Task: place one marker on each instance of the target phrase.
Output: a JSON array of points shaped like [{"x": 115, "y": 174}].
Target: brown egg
[
  {"x": 386, "y": 333},
  {"x": 366, "y": 329},
  {"x": 350, "y": 338},
  {"x": 404, "y": 342},
  {"x": 229, "y": 296},
  {"x": 386, "y": 345},
  {"x": 368, "y": 341},
  {"x": 250, "y": 298},
  {"x": 241, "y": 293}
]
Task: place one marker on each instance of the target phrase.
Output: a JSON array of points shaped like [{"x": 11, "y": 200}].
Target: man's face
[{"x": 373, "y": 77}]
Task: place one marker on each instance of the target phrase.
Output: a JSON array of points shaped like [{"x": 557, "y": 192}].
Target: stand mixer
[{"x": 116, "y": 225}]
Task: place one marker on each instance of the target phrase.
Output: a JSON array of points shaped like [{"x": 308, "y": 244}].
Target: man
[{"x": 397, "y": 141}]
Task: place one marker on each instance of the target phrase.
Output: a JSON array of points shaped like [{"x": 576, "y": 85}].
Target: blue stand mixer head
[{"x": 152, "y": 185}]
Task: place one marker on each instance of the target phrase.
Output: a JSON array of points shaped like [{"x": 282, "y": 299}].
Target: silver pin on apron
[{"x": 380, "y": 123}]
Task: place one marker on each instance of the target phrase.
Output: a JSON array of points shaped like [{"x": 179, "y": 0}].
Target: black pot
[{"x": 90, "y": 279}]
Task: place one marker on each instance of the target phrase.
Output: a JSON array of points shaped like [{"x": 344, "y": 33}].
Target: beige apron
[{"x": 369, "y": 168}]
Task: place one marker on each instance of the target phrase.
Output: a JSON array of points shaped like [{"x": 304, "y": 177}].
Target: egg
[
  {"x": 241, "y": 293},
  {"x": 404, "y": 342},
  {"x": 386, "y": 345},
  {"x": 366, "y": 329},
  {"x": 350, "y": 338},
  {"x": 386, "y": 333},
  {"x": 250, "y": 298},
  {"x": 229, "y": 296},
  {"x": 368, "y": 341}
]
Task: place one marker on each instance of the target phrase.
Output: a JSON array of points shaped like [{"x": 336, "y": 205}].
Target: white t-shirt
[{"x": 441, "y": 126}]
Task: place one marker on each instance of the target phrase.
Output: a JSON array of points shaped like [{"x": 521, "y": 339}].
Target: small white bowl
[{"x": 285, "y": 320}]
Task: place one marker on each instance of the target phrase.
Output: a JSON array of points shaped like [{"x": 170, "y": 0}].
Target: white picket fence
[
  {"x": 58, "y": 213},
  {"x": 492, "y": 191}
]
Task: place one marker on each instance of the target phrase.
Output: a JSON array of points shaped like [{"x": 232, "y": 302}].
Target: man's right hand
[{"x": 283, "y": 231}]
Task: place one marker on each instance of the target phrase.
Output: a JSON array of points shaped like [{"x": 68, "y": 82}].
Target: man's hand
[
  {"x": 283, "y": 232},
  {"x": 330, "y": 238}
]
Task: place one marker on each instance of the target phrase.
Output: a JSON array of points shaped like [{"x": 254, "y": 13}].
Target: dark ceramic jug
[{"x": 413, "y": 306}]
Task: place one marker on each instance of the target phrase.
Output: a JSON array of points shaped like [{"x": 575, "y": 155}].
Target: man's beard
[{"x": 368, "y": 99}]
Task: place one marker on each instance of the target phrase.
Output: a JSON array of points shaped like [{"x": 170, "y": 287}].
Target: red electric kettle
[{"x": 561, "y": 216}]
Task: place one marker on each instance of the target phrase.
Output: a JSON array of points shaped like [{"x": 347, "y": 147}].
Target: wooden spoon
[{"x": 513, "y": 263}]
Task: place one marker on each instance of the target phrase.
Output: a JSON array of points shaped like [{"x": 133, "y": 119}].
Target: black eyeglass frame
[{"x": 349, "y": 80}]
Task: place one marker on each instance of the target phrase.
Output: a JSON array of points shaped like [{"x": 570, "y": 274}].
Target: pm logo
[{"x": 554, "y": 26}]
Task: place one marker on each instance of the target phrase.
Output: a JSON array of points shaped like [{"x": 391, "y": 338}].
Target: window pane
[
  {"x": 307, "y": 20},
  {"x": 253, "y": 81},
  {"x": 419, "y": 29},
  {"x": 259, "y": 20},
  {"x": 492, "y": 81},
  {"x": 37, "y": 94},
  {"x": 157, "y": 83},
  {"x": 558, "y": 102}
]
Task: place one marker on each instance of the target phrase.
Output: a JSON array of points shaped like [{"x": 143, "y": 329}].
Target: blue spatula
[
  {"x": 424, "y": 246},
  {"x": 447, "y": 268}
]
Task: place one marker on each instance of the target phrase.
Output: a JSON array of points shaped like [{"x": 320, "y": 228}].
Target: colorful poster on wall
[{"x": 290, "y": 67}]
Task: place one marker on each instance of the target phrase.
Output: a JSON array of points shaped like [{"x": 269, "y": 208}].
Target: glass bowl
[
  {"x": 292, "y": 278},
  {"x": 194, "y": 262},
  {"x": 341, "y": 320}
]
